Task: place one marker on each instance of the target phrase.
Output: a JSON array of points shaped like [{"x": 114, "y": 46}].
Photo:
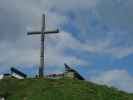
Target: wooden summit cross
[{"x": 42, "y": 33}]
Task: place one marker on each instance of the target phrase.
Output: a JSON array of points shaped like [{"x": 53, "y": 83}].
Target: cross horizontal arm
[{"x": 47, "y": 32}]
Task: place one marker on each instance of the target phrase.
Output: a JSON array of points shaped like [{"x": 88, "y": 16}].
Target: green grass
[{"x": 62, "y": 89}]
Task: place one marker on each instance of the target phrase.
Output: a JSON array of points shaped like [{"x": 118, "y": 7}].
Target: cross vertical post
[
  {"x": 42, "y": 33},
  {"x": 41, "y": 67}
]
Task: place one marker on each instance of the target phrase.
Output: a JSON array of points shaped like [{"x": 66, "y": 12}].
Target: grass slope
[{"x": 62, "y": 89}]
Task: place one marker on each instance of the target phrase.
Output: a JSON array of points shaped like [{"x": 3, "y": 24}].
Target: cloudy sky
[{"x": 95, "y": 38}]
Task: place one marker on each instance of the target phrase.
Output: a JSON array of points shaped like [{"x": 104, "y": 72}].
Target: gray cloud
[
  {"x": 118, "y": 13},
  {"x": 17, "y": 17}
]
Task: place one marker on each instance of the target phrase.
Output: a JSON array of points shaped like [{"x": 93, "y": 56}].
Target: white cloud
[
  {"x": 117, "y": 78},
  {"x": 28, "y": 15},
  {"x": 27, "y": 50}
]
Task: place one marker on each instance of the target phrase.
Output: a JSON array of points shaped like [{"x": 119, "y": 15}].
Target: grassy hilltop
[{"x": 62, "y": 89}]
